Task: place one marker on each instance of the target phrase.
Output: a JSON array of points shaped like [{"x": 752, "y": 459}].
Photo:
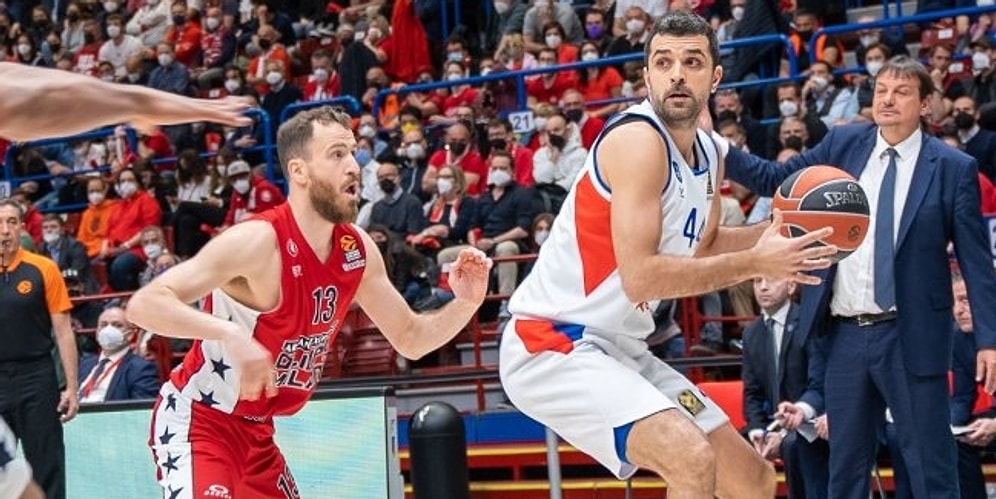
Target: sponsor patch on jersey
[
  {"x": 352, "y": 250},
  {"x": 677, "y": 171},
  {"x": 292, "y": 249},
  {"x": 690, "y": 402},
  {"x": 709, "y": 190},
  {"x": 219, "y": 491},
  {"x": 24, "y": 287}
]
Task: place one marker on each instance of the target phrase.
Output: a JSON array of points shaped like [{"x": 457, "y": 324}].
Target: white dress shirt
[
  {"x": 99, "y": 390},
  {"x": 854, "y": 287},
  {"x": 778, "y": 328}
]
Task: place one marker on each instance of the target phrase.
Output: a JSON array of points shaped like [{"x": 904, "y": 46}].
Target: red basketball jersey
[{"x": 314, "y": 298}]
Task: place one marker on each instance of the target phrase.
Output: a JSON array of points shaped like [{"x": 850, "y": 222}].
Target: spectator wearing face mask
[
  {"x": 459, "y": 150},
  {"x": 116, "y": 373},
  {"x": 85, "y": 57},
  {"x": 540, "y": 231},
  {"x": 557, "y": 163},
  {"x": 982, "y": 86},
  {"x": 502, "y": 138},
  {"x": 632, "y": 30},
  {"x": 251, "y": 193},
  {"x": 27, "y": 53},
  {"x": 727, "y": 30},
  {"x": 281, "y": 93},
  {"x": 267, "y": 49},
  {"x": 828, "y": 48},
  {"x": 790, "y": 105},
  {"x": 72, "y": 28},
  {"x": 549, "y": 87},
  {"x": 875, "y": 57},
  {"x": 135, "y": 210},
  {"x": 217, "y": 49},
  {"x": 891, "y": 38},
  {"x": 448, "y": 213},
  {"x": 156, "y": 266},
  {"x": 833, "y": 102},
  {"x": 555, "y": 38},
  {"x": 119, "y": 47},
  {"x": 324, "y": 80},
  {"x": 507, "y": 19},
  {"x": 68, "y": 253},
  {"x": 597, "y": 29},
  {"x": 589, "y": 124},
  {"x": 546, "y": 11},
  {"x": 150, "y": 22},
  {"x": 94, "y": 223},
  {"x": 169, "y": 75},
  {"x": 792, "y": 134},
  {"x": 596, "y": 83},
  {"x": 398, "y": 210},
  {"x": 977, "y": 142},
  {"x": 185, "y": 33},
  {"x": 650, "y": 8},
  {"x": 413, "y": 163}
]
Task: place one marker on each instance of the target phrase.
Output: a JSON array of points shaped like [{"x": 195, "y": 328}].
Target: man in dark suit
[
  {"x": 776, "y": 366},
  {"x": 117, "y": 373},
  {"x": 68, "y": 253},
  {"x": 886, "y": 309}
]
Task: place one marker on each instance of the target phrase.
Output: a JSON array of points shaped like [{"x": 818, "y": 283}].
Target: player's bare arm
[
  {"x": 51, "y": 103},
  {"x": 415, "y": 335},
  {"x": 240, "y": 261},
  {"x": 637, "y": 177}
]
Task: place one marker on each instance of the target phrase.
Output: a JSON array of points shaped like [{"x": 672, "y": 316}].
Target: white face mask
[
  {"x": 415, "y": 151},
  {"x": 23, "y": 49},
  {"x": 111, "y": 339},
  {"x": 499, "y": 178},
  {"x": 980, "y": 61},
  {"x": 553, "y": 41},
  {"x": 274, "y": 77},
  {"x": 212, "y": 23},
  {"x": 50, "y": 237},
  {"x": 152, "y": 250},
  {"x": 873, "y": 67},
  {"x": 113, "y": 30},
  {"x": 540, "y": 123},
  {"x": 868, "y": 40},
  {"x": 589, "y": 56},
  {"x": 820, "y": 83},
  {"x": 367, "y": 131},
  {"x": 241, "y": 185},
  {"x": 454, "y": 77},
  {"x": 540, "y": 237},
  {"x": 502, "y": 7},
  {"x": 232, "y": 85},
  {"x": 110, "y": 6},
  {"x": 126, "y": 188},
  {"x": 542, "y": 3},
  {"x": 635, "y": 26},
  {"x": 165, "y": 59},
  {"x": 222, "y": 169},
  {"x": 788, "y": 108},
  {"x": 444, "y": 186},
  {"x": 133, "y": 77},
  {"x": 95, "y": 197},
  {"x": 738, "y": 12},
  {"x": 321, "y": 75}
]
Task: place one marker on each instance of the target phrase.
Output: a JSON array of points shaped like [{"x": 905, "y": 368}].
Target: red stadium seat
[{"x": 729, "y": 395}]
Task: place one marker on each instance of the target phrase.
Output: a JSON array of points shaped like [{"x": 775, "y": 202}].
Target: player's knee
[{"x": 700, "y": 457}]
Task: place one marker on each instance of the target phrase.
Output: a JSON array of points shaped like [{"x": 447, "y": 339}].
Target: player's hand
[
  {"x": 781, "y": 257},
  {"x": 985, "y": 369},
  {"x": 469, "y": 275},
  {"x": 69, "y": 405},
  {"x": 822, "y": 427},
  {"x": 228, "y": 111},
  {"x": 790, "y": 415},
  {"x": 258, "y": 376}
]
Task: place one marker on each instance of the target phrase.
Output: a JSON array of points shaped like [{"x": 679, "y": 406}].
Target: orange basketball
[{"x": 824, "y": 196}]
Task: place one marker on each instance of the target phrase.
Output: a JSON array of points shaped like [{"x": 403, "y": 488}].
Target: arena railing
[
  {"x": 12, "y": 181},
  {"x": 520, "y": 75},
  {"x": 895, "y": 21}
]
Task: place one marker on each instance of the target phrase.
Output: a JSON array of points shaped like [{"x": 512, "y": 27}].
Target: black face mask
[
  {"x": 574, "y": 115},
  {"x": 557, "y": 141},
  {"x": 55, "y": 47},
  {"x": 794, "y": 142},
  {"x": 381, "y": 246},
  {"x": 265, "y": 44},
  {"x": 374, "y": 84},
  {"x": 88, "y": 39},
  {"x": 805, "y": 35},
  {"x": 179, "y": 20},
  {"x": 458, "y": 148},
  {"x": 964, "y": 121},
  {"x": 498, "y": 144},
  {"x": 388, "y": 186},
  {"x": 73, "y": 16},
  {"x": 726, "y": 115}
]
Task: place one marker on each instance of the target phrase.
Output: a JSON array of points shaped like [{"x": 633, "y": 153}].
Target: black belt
[{"x": 868, "y": 319}]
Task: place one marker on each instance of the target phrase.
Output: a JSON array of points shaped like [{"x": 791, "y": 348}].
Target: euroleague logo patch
[
  {"x": 354, "y": 259},
  {"x": 24, "y": 287},
  {"x": 690, "y": 402}
]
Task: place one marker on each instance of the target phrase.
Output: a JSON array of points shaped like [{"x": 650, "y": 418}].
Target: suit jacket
[
  {"x": 763, "y": 388},
  {"x": 135, "y": 378},
  {"x": 72, "y": 255},
  {"x": 942, "y": 206}
]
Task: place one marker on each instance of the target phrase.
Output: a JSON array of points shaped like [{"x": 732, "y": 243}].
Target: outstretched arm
[
  {"x": 41, "y": 102},
  {"x": 414, "y": 335},
  {"x": 763, "y": 176}
]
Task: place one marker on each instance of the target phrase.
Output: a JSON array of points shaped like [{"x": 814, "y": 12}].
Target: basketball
[{"x": 824, "y": 196}]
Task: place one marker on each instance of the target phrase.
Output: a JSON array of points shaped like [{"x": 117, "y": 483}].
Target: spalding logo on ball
[{"x": 824, "y": 196}]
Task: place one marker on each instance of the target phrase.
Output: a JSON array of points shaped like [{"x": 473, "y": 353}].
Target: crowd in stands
[{"x": 441, "y": 168}]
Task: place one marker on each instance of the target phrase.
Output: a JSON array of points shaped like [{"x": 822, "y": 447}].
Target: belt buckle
[{"x": 865, "y": 320}]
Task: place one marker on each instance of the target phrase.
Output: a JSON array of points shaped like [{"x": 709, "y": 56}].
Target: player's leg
[
  {"x": 266, "y": 474},
  {"x": 670, "y": 445},
  {"x": 740, "y": 471}
]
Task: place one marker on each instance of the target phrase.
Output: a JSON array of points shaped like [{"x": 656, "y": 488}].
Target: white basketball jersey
[{"x": 575, "y": 279}]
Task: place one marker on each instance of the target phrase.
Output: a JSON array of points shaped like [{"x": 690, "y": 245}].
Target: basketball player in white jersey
[{"x": 640, "y": 225}]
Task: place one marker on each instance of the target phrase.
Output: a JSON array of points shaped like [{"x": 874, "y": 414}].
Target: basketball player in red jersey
[{"x": 278, "y": 289}]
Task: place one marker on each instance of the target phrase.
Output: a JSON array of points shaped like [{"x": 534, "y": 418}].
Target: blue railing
[
  {"x": 521, "y": 75},
  {"x": 352, "y": 105},
  {"x": 896, "y": 21}
]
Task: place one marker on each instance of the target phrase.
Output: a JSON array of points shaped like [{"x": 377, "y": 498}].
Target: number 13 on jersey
[{"x": 693, "y": 227}]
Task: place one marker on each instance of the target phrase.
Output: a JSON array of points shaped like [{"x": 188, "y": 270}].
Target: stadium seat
[
  {"x": 729, "y": 395},
  {"x": 367, "y": 351}
]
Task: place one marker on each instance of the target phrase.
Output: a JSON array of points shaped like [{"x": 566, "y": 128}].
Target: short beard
[
  {"x": 328, "y": 203},
  {"x": 678, "y": 118}
]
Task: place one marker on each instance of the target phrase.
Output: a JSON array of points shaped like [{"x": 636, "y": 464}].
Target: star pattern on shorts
[
  {"x": 173, "y": 494},
  {"x": 171, "y": 402},
  {"x": 208, "y": 398},
  {"x": 170, "y": 464},
  {"x": 166, "y": 436},
  {"x": 5, "y": 456},
  {"x": 219, "y": 367}
]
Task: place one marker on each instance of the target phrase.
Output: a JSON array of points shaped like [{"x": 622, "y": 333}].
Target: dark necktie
[
  {"x": 94, "y": 378},
  {"x": 885, "y": 251},
  {"x": 776, "y": 395}
]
